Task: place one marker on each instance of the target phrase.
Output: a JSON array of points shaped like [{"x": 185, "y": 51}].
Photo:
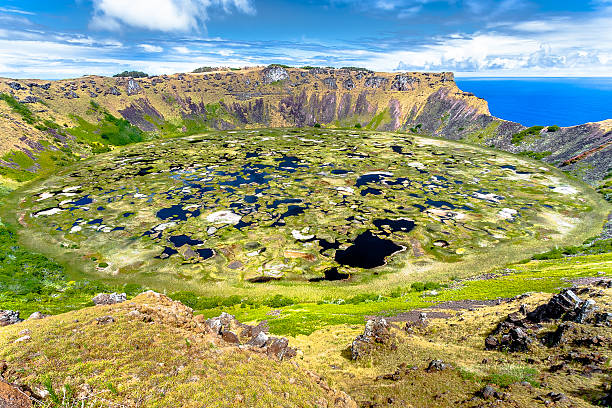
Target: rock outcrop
[
  {"x": 520, "y": 329},
  {"x": 376, "y": 332},
  {"x": 8, "y": 317},
  {"x": 109, "y": 298}
]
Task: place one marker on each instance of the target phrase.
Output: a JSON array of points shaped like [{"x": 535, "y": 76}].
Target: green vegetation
[
  {"x": 415, "y": 129},
  {"x": 31, "y": 282},
  {"x": 108, "y": 131},
  {"x": 590, "y": 247},
  {"x": 553, "y": 128},
  {"x": 513, "y": 374},
  {"x": 535, "y": 155},
  {"x": 20, "y": 158},
  {"x": 20, "y": 176},
  {"x": 517, "y": 138},
  {"x": 19, "y": 108},
  {"x": 278, "y": 66},
  {"x": 132, "y": 74}
]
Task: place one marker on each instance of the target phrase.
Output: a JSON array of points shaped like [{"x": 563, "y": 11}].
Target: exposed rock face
[
  {"x": 109, "y": 298},
  {"x": 403, "y": 83},
  {"x": 376, "y": 332},
  {"x": 274, "y": 74},
  {"x": 133, "y": 87},
  {"x": 429, "y": 103},
  {"x": 8, "y": 317}
]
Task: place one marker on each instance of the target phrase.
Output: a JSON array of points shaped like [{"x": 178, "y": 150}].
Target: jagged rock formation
[{"x": 427, "y": 103}]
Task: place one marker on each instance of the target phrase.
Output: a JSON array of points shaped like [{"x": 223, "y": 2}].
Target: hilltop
[{"x": 45, "y": 124}]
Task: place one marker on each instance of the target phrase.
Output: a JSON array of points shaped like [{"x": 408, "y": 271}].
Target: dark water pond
[{"x": 368, "y": 251}]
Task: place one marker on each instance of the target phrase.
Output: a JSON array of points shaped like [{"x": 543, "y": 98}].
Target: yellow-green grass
[{"x": 156, "y": 364}]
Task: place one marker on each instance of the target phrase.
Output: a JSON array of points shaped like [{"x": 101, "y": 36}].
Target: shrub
[
  {"x": 317, "y": 125},
  {"x": 517, "y": 138},
  {"x": 279, "y": 301},
  {"x": 364, "y": 297},
  {"x": 133, "y": 74},
  {"x": 553, "y": 128},
  {"x": 203, "y": 69},
  {"x": 418, "y": 286},
  {"x": 357, "y": 125}
]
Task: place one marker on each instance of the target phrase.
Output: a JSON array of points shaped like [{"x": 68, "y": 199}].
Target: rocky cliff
[{"x": 70, "y": 118}]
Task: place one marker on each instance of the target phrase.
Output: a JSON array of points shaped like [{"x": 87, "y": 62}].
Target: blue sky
[{"x": 70, "y": 38}]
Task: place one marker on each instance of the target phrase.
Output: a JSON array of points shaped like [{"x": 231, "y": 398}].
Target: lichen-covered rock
[
  {"x": 109, "y": 298},
  {"x": 376, "y": 332},
  {"x": 274, "y": 74},
  {"x": 8, "y": 317}
]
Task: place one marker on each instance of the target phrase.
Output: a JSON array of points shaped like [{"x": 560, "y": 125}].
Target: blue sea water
[{"x": 544, "y": 101}]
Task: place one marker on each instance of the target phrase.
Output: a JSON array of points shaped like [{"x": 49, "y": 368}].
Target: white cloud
[
  {"x": 15, "y": 11},
  {"x": 181, "y": 50},
  {"x": 161, "y": 15},
  {"x": 151, "y": 48}
]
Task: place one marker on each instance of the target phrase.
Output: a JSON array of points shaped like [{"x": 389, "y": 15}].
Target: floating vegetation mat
[{"x": 301, "y": 205}]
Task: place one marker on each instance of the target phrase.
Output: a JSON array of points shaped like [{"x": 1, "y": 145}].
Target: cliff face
[{"x": 426, "y": 103}]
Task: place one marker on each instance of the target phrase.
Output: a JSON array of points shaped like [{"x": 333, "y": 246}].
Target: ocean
[{"x": 544, "y": 101}]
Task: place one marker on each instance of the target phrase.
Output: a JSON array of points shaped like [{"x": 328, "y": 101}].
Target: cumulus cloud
[{"x": 161, "y": 15}]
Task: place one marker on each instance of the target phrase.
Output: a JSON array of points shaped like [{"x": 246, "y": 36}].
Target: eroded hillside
[{"x": 46, "y": 123}]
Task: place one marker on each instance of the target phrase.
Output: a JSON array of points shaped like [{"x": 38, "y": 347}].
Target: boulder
[
  {"x": 109, "y": 298},
  {"x": 280, "y": 349},
  {"x": 603, "y": 319},
  {"x": 133, "y": 87},
  {"x": 105, "y": 320},
  {"x": 585, "y": 311},
  {"x": 376, "y": 332},
  {"x": 556, "y": 307},
  {"x": 259, "y": 340},
  {"x": 37, "y": 316},
  {"x": 560, "y": 335},
  {"x": 8, "y": 317},
  {"x": 230, "y": 337},
  {"x": 487, "y": 392},
  {"x": 437, "y": 365}
]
